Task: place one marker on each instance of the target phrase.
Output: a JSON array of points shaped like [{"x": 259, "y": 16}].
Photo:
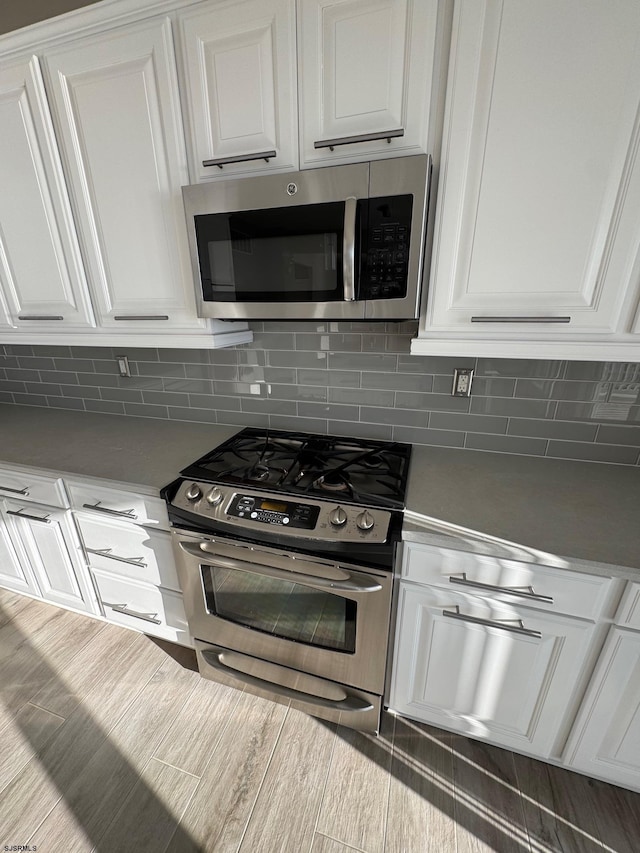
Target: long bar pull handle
[
  {"x": 349, "y": 249},
  {"x": 39, "y": 317},
  {"x": 125, "y": 513},
  {"x": 523, "y": 592},
  {"x": 24, "y": 491},
  {"x": 504, "y": 626},
  {"x": 106, "y": 552},
  {"x": 214, "y": 658},
  {"x": 21, "y": 514},
  {"x": 142, "y": 317},
  {"x": 348, "y": 584},
  {"x": 516, "y": 319},
  {"x": 241, "y": 158},
  {"x": 123, "y": 608},
  {"x": 362, "y": 137}
]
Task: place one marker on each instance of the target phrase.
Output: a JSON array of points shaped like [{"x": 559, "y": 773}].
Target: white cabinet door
[
  {"x": 539, "y": 194},
  {"x": 605, "y": 739},
  {"x": 240, "y": 89},
  {"x": 365, "y": 69},
  {"x": 115, "y": 98},
  {"x": 52, "y": 549},
  {"x": 41, "y": 271},
  {"x": 511, "y": 688},
  {"x": 14, "y": 573}
]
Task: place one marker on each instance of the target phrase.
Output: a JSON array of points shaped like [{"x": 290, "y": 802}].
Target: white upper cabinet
[
  {"x": 537, "y": 245},
  {"x": 116, "y": 102},
  {"x": 240, "y": 87},
  {"x": 42, "y": 283},
  {"x": 366, "y": 71}
]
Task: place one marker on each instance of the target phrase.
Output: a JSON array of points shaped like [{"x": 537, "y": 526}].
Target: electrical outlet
[
  {"x": 462, "y": 379},
  {"x": 123, "y": 365}
]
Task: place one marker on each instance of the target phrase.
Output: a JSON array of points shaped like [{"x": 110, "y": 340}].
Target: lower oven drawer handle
[
  {"x": 349, "y": 584},
  {"x": 523, "y": 592},
  {"x": 490, "y": 623},
  {"x": 122, "y": 608},
  {"x": 349, "y": 703}
]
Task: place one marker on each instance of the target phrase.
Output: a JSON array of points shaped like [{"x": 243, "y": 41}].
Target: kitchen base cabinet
[
  {"x": 487, "y": 669},
  {"x": 13, "y": 573}
]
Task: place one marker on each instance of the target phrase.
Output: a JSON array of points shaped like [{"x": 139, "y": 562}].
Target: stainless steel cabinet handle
[
  {"x": 520, "y": 319},
  {"x": 106, "y": 552},
  {"x": 124, "y": 513},
  {"x": 21, "y": 514},
  {"x": 362, "y": 137},
  {"x": 24, "y": 491},
  {"x": 142, "y": 317},
  {"x": 505, "y": 626},
  {"x": 523, "y": 592},
  {"x": 350, "y": 703},
  {"x": 349, "y": 249},
  {"x": 38, "y": 317},
  {"x": 242, "y": 158},
  {"x": 123, "y": 608},
  {"x": 349, "y": 584}
]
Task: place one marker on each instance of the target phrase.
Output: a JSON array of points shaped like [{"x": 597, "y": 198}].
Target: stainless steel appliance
[
  {"x": 285, "y": 545},
  {"x": 343, "y": 242}
]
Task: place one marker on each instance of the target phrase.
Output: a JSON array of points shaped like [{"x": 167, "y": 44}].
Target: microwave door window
[{"x": 289, "y": 254}]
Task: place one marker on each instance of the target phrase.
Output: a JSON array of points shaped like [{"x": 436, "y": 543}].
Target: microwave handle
[{"x": 349, "y": 249}]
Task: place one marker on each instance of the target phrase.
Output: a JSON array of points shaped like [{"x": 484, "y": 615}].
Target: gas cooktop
[{"x": 346, "y": 470}]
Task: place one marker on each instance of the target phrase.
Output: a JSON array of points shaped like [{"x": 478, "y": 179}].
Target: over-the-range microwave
[{"x": 341, "y": 242}]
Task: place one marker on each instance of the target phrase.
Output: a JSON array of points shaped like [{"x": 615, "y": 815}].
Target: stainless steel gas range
[{"x": 285, "y": 543}]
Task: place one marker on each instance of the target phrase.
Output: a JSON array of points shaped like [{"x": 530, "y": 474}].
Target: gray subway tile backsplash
[{"x": 349, "y": 379}]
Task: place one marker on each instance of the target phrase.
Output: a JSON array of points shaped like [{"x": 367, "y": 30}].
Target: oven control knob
[
  {"x": 214, "y": 496},
  {"x": 194, "y": 492},
  {"x": 338, "y": 517},
  {"x": 365, "y": 521}
]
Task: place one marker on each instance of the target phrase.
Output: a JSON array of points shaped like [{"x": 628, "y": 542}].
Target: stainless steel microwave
[{"x": 342, "y": 242}]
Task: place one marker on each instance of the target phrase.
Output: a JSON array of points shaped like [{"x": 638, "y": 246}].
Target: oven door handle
[
  {"x": 349, "y": 249},
  {"x": 351, "y": 702},
  {"x": 350, "y": 583}
]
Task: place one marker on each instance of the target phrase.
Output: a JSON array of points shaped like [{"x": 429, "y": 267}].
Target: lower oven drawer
[
  {"x": 153, "y": 610},
  {"x": 316, "y": 696}
]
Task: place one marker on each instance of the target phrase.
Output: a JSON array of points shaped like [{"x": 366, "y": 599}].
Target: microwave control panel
[{"x": 385, "y": 231}]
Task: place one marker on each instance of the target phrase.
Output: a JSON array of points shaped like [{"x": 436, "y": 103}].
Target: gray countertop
[{"x": 490, "y": 502}]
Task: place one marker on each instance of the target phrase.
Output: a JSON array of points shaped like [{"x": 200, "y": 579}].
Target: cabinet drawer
[
  {"x": 629, "y": 611},
  {"x": 25, "y": 486},
  {"x": 126, "y": 549},
  {"x": 150, "y": 609},
  {"x": 542, "y": 587},
  {"x": 118, "y": 504}
]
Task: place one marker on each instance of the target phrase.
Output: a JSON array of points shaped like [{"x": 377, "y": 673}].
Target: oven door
[{"x": 307, "y": 614}]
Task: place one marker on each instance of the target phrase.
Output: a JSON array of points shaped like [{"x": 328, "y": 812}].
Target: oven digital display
[{"x": 266, "y": 511}]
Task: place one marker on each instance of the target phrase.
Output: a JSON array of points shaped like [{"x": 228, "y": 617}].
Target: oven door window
[
  {"x": 283, "y": 609},
  {"x": 286, "y": 254}
]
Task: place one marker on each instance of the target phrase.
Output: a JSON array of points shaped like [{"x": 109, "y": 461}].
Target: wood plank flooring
[{"x": 110, "y": 741}]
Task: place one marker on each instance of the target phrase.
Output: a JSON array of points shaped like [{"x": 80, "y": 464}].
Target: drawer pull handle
[
  {"x": 142, "y": 317},
  {"x": 124, "y": 513},
  {"x": 362, "y": 137},
  {"x": 517, "y": 319},
  {"x": 241, "y": 158},
  {"x": 24, "y": 491},
  {"x": 107, "y": 552},
  {"x": 39, "y": 317},
  {"x": 22, "y": 514},
  {"x": 504, "y": 625},
  {"x": 523, "y": 591},
  {"x": 123, "y": 608}
]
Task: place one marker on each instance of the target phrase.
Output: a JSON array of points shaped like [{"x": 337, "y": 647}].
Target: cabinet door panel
[
  {"x": 539, "y": 163},
  {"x": 240, "y": 85},
  {"x": 14, "y": 574},
  {"x": 115, "y": 97},
  {"x": 365, "y": 67},
  {"x": 484, "y": 681},
  {"x": 605, "y": 740},
  {"x": 41, "y": 271}
]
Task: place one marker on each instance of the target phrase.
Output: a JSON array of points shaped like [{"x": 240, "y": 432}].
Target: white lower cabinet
[
  {"x": 14, "y": 574},
  {"x": 485, "y": 668}
]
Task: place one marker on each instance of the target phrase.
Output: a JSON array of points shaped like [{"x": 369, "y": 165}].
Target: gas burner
[
  {"x": 332, "y": 483},
  {"x": 374, "y": 461},
  {"x": 258, "y": 473}
]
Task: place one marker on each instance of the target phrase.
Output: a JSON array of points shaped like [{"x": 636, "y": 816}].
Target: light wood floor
[{"x": 110, "y": 741}]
